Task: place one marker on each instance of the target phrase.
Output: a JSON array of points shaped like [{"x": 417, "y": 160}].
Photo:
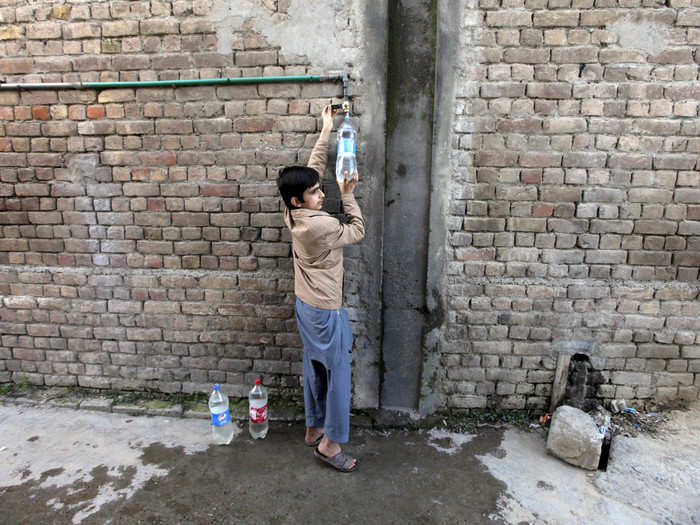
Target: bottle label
[
  {"x": 346, "y": 146},
  {"x": 219, "y": 420},
  {"x": 258, "y": 415}
]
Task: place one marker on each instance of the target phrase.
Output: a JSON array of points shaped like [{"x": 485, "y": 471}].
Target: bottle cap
[
  {"x": 258, "y": 380},
  {"x": 217, "y": 386}
]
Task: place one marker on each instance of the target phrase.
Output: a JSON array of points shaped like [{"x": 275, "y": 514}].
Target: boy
[{"x": 317, "y": 251}]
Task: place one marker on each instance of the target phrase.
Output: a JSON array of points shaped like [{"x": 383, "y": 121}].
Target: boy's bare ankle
[{"x": 328, "y": 448}]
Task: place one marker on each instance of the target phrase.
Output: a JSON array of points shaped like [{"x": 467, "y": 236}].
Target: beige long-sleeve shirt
[{"x": 317, "y": 243}]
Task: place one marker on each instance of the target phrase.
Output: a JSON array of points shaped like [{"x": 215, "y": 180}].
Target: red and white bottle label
[{"x": 258, "y": 415}]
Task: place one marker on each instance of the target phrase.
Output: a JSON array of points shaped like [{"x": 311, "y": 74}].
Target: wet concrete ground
[
  {"x": 65, "y": 474},
  {"x": 76, "y": 466}
]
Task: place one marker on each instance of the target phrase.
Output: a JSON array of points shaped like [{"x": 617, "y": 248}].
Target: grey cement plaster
[
  {"x": 649, "y": 36},
  {"x": 371, "y": 79},
  {"x": 410, "y": 104},
  {"x": 442, "y": 167},
  {"x": 318, "y": 30}
]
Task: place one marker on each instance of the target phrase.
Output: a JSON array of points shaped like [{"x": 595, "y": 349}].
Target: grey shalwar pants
[{"x": 327, "y": 340}]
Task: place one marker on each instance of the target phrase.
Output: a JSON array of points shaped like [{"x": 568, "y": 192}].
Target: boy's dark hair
[{"x": 293, "y": 181}]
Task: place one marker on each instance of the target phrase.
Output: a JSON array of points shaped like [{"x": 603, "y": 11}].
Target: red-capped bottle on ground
[{"x": 257, "y": 411}]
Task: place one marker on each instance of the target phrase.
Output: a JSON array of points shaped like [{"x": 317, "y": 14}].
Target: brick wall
[
  {"x": 141, "y": 236},
  {"x": 142, "y": 242},
  {"x": 575, "y": 208}
]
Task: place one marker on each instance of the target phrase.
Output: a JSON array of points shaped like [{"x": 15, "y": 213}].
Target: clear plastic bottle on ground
[
  {"x": 347, "y": 150},
  {"x": 257, "y": 411},
  {"x": 221, "y": 426}
]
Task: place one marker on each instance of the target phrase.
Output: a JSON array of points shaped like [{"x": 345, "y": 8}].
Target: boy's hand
[
  {"x": 348, "y": 186},
  {"x": 327, "y": 116}
]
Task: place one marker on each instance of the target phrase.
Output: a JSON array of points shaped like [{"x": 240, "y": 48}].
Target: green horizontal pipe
[{"x": 173, "y": 83}]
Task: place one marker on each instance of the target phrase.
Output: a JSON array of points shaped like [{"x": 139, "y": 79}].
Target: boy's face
[{"x": 313, "y": 198}]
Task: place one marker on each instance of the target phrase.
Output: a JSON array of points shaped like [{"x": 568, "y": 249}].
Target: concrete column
[{"x": 410, "y": 102}]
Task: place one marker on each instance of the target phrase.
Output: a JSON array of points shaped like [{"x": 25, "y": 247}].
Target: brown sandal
[{"x": 341, "y": 461}]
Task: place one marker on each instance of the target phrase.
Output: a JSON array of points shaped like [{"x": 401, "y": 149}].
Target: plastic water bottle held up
[
  {"x": 221, "y": 426},
  {"x": 257, "y": 411},
  {"x": 347, "y": 150}
]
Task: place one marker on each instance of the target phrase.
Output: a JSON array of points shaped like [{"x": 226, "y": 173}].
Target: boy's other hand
[
  {"x": 348, "y": 185},
  {"x": 327, "y": 116}
]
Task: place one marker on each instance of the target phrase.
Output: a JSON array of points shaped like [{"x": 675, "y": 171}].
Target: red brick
[
  {"x": 253, "y": 125},
  {"x": 62, "y": 128},
  {"x": 23, "y": 113},
  {"x": 153, "y": 261},
  {"x": 554, "y": 90},
  {"x": 120, "y": 28},
  {"x": 12, "y": 66},
  {"x": 66, "y": 260},
  {"x": 156, "y": 204},
  {"x": 526, "y": 55},
  {"x": 475, "y": 254},
  {"x": 256, "y": 58},
  {"x": 26, "y": 354},
  {"x": 531, "y": 176},
  {"x": 495, "y": 158},
  {"x": 248, "y": 263},
  {"x": 119, "y": 158},
  {"x": 13, "y": 160},
  {"x": 519, "y": 125},
  {"x": 96, "y": 111},
  {"x": 23, "y": 129},
  {"x": 548, "y": 18},
  {"x": 158, "y": 158},
  {"x": 92, "y": 63},
  {"x": 45, "y": 159},
  {"x": 542, "y": 210},
  {"x": 686, "y": 258},
  {"x": 540, "y": 159},
  {"x": 6, "y": 113},
  {"x": 219, "y": 190},
  {"x": 179, "y": 61},
  {"x": 13, "y": 245},
  {"x": 40, "y": 113}
]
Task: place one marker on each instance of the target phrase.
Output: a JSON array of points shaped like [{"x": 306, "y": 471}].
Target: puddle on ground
[{"x": 447, "y": 442}]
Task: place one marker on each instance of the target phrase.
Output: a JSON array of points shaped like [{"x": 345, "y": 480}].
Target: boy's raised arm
[
  {"x": 354, "y": 229},
  {"x": 319, "y": 155}
]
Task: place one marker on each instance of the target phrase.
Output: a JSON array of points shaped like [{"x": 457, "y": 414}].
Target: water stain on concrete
[
  {"x": 402, "y": 479},
  {"x": 45, "y": 500},
  {"x": 92, "y": 468}
]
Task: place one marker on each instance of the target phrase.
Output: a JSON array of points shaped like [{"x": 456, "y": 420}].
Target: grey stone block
[
  {"x": 196, "y": 414},
  {"x": 574, "y": 438},
  {"x": 171, "y": 411},
  {"x": 132, "y": 410},
  {"x": 99, "y": 404},
  {"x": 64, "y": 403}
]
